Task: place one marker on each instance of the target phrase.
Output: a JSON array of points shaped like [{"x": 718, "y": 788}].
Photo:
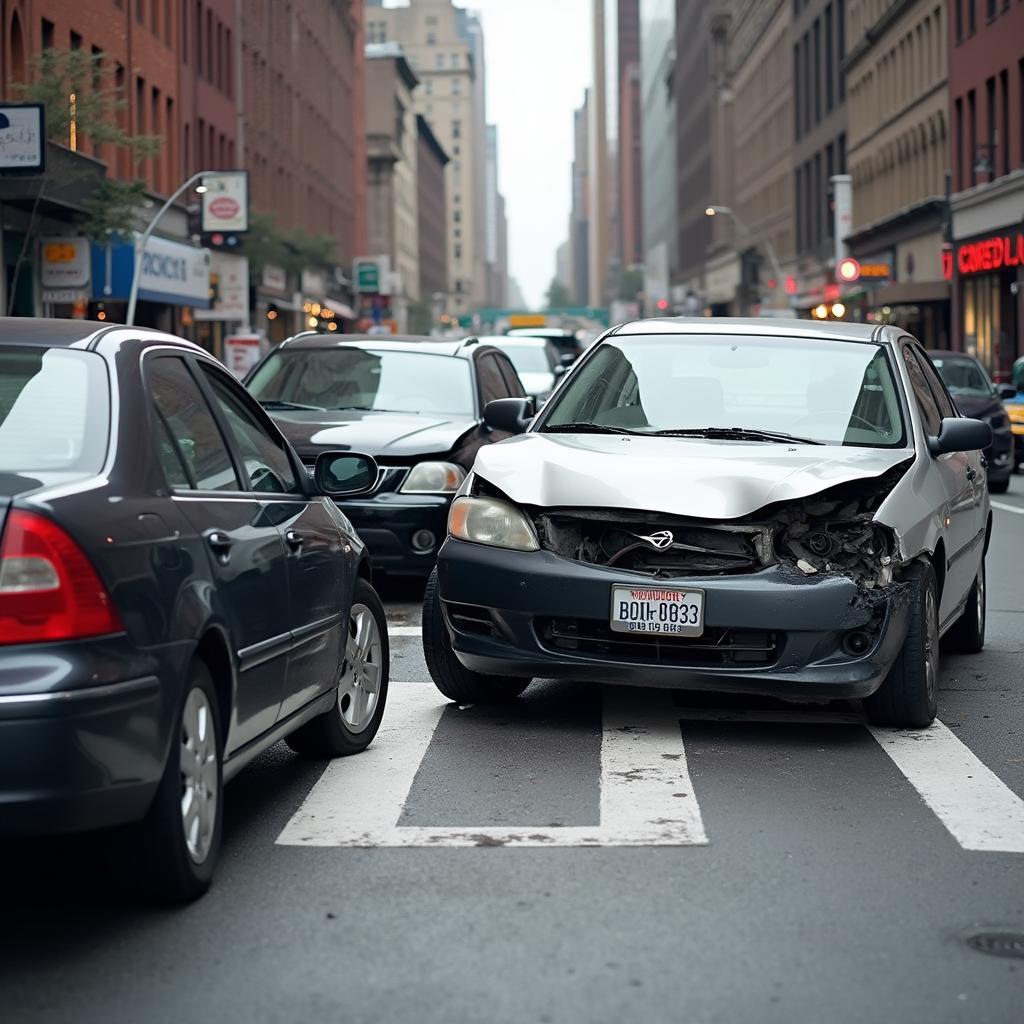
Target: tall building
[
  {"x": 439, "y": 41},
  {"x": 392, "y": 187},
  {"x": 496, "y": 231},
  {"x": 820, "y": 140},
  {"x": 694, "y": 101},
  {"x": 658, "y": 164},
  {"x": 898, "y": 154},
  {"x": 501, "y": 297},
  {"x": 602, "y": 125},
  {"x": 630, "y": 148},
  {"x": 986, "y": 88},
  {"x": 432, "y": 219},
  {"x": 579, "y": 218}
]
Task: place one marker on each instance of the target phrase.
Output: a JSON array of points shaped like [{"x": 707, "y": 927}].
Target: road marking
[
  {"x": 781, "y": 716},
  {"x": 404, "y": 630},
  {"x": 979, "y": 810},
  {"x": 1008, "y": 508},
  {"x": 647, "y": 798}
]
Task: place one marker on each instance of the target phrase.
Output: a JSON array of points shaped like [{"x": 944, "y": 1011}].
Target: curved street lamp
[{"x": 727, "y": 211}]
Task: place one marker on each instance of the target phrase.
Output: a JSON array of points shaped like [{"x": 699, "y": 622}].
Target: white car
[{"x": 536, "y": 360}]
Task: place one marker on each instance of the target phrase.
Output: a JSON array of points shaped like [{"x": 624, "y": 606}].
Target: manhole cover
[{"x": 998, "y": 943}]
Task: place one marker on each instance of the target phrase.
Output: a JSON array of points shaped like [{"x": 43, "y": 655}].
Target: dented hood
[{"x": 677, "y": 476}]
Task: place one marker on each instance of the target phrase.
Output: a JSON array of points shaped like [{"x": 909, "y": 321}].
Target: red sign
[
  {"x": 224, "y": 208},
  {"x": 988, "y": 255},
  {"x": 847, "y": 269}
]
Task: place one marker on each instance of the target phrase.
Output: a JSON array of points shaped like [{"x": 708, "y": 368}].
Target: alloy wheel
[
  {"x": 199, "y": 777},
  {"x": 931, "y": 643},
  {"x": 980, "y": 603},
  {"x": 359, "y": 689}
]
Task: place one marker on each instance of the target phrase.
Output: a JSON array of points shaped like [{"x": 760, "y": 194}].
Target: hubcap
[
  {"x": 360, "y": 684},
  {"x": 981, "y": 599},
  {"x": 199, "y": 784},
  {"x": 931, "y": 643}
]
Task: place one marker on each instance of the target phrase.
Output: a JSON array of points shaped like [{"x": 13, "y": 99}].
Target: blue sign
[{"x": 172, "y": 273}]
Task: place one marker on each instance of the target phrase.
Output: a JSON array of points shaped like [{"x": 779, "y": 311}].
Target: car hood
[
  {"x": 676, "y": 476},
  {"x": 977, "y": 407},
  {"x": 537, "y": 383},
  {"x": 372, "y": 433}
]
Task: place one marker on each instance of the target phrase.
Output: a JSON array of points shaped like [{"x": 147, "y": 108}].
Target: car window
[
  {"x": 492, "y": 384},
  {"x": 946, "y": 405},
  {"x": 170, "y": 456},
  {"x": 963, "y": 376},
  {"x": 836, "y": 392},
  {"x": 266, "y": 462},
  {"x": 512, "y": 381},
  {"x": 189, "y": 428},
  {"x": 926, "y": 403},
  {"x": 54, "y": 411}
]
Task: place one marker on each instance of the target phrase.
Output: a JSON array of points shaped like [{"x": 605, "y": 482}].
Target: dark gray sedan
[{"x": 177, "y": 593}]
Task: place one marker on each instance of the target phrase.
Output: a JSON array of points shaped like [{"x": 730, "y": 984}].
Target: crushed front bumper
[
  {"x": 388, "y": 525},
  {"x": 540, "y": 615}
]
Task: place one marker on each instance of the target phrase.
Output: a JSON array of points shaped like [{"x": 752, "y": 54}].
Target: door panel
[{"x": 244, "y": 550}]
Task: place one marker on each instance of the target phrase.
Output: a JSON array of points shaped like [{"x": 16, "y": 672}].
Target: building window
[
  {"x": 456, "y": 129},
  {"x": 830, "y": 63},
  {"x": 970, "y": 17},
  {"x": 841, "y": 47},
  {"x": 455, "y": 60},
  {"x": 958, "y": 15},
  {"x": 456, "y": 86},
  {"x": 140, "y": 11},
  {"x": 76, "y": 41},
  {"x": 458, "y": 251},
  {"x": 958, "y": 130},
  {"x": 47, "y": 34},
  {"x": 1004, "y": 120},
  {"x": 439, "y": 61},
  {"x": 797, "y": 92},
  {"x": 1020, "y": 105},
  {"x": 429, "y": 86},
  {"x": 817, "y": 71},
  {"x": 431, "y": 39},
  {"x": 184, "y": 31},
  {"x": 972, "y": 133},
  {"x": 456, "y": 150},
  {"x": 457, "y": 217}
]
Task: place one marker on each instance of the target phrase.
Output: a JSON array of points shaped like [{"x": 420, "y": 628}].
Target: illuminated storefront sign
[{"x": 986, "y": 256}]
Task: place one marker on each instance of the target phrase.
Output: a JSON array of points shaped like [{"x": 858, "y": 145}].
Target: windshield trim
[{"x": 905, "y": 440}]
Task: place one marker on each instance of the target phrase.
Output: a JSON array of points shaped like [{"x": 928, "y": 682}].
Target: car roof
[
  {"x": 540, "y": 332},
  {"x": 312, "y": 340},
  {"x": 831, "y": 330},
  {"x": 53, "y": 332},
  {"x": 505, "y": 340}
]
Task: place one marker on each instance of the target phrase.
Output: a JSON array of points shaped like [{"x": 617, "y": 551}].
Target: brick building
[{"x": 986, "y": 90}]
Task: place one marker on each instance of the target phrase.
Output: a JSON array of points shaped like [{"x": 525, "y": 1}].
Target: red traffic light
[
  {"x": 847, "y": 269},
  {"x": 662, "y": 303}
]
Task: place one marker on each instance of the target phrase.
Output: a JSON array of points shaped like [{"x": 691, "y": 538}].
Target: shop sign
[
  {"x": 314, "y": 283},
  {"x": 64, "y": 296},
  {"x": 876, "y": 271},
  {"x": 173, "y": 273},
  {"x": 372, "y": 275},
  {"x": 22, "y": 138},
  {"x": 987, "y": 255},
  {"x": 230, "y": 299},
  {"x": 242, "y": 353},
  {"x": 64, "y": 262},
  {"x": 226, "y": 202},
  {"x": 275, "y": 279}
]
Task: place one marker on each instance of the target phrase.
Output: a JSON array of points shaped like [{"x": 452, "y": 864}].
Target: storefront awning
[
  {"x": 340, "y": 309},
  {"x": 173, "y": 273}
]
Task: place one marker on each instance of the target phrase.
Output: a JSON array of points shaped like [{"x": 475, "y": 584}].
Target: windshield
[
  {"x": 528, "y": 359},
  {"x": 54, "y": 411},
  {"x": 352, "y": 378},
  {"x": 833, "y": 392},
  {"x": 963, "y": 377}
]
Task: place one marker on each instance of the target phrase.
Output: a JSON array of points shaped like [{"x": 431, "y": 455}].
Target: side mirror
[
  {"x": 509, "y": 415},
  {"x": 960, "y": 435},
  {"x": 568, "y": 358},
  {"x": 344, "y": 474},
  {"x": 1006, "y": 392},
  {"x": 559, "y": 370}
]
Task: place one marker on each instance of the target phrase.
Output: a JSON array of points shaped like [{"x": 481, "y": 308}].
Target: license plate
[{"x": 653, "y": 610}]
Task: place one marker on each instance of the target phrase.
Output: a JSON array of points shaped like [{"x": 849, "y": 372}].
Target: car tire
[
  {"x": 967, "y": 635},
  {"x": 999, "y": 486},
  {"x": 908, "y": 696},
  {"x": 353, "y": 720},
  {"x": 180, "y": 835},
  {"x": 452, "y": 678}
]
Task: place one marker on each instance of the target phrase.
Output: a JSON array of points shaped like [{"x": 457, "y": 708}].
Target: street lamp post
[
  {"x": 140, "y": 245},
  {"x": 727, "y": 211}
]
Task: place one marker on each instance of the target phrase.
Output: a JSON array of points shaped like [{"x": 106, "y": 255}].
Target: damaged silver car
[{"x": 769, "y": 507}]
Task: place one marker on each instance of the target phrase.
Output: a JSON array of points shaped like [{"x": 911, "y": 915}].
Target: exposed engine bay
[{"x": 833, "y": 531}]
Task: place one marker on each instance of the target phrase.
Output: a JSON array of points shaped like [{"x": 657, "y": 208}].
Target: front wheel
[
  {"x": 453, "y": 679},
  {"x": 352, "y": 722},
  {"x": 999, "y": 486},
  {"x": 908, "y": 697}
]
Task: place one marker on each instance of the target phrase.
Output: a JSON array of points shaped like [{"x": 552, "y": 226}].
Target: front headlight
[
  {"x": 434, "y": 478},
  {"x": 492, "y": 522}
]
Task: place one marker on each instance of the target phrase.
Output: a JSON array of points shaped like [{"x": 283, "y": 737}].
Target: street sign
[
  {"x": 226, "y": 202},
  {"x": 64, "y": 263},
  {"x": 372, "y": 275},
  {"x": 241, "y": 353},
  {"x": 22, "y": 138},
  {"x": 232, "y": 300}
]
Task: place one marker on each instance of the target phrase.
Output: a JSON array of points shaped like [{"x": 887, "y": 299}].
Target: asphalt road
[{"x": 753, "y": 862}]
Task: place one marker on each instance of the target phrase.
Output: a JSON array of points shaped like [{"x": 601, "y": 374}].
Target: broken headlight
[{"x": 492, "y": 522}]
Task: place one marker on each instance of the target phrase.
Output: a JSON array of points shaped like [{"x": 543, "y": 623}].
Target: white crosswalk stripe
[{"x": 646, "y": 795}]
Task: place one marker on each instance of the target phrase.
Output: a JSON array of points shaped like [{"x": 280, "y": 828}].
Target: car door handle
[
  {"x": 971, "y": 474},
  {"x": 294, "y": 540},
  {"x": 220, "y": 544}
]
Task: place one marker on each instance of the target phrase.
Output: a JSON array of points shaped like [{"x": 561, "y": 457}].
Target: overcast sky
[{"x": 538, "y": 64}]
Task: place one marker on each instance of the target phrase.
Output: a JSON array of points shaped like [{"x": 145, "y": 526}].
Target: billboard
[{"x": 226, "y": 202}]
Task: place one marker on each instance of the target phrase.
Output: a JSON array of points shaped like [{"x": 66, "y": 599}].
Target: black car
[
  {"x": 177, "y": 594},
  {"x": 976, "y": 396},
  {"x": 416, "y": 404}
]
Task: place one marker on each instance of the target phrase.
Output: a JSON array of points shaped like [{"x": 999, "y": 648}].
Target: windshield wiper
[
  {"x": 277, "y": 403},
  {"x": 591, "y": 428},
  {"x": 737, "y": 434}
]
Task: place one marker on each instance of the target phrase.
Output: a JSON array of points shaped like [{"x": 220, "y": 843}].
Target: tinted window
[
  {"x": 836, "y": 392},
  {"x": 512, "y": 381},
  {"x": 54, "y": 411},
  {"x": 190, "y": 427},
  {"x": 352, "y": 378},
  {"x": 946, "y": 405},
  {"x": 963, "y": 376},
  {"x": 922, "y": 392},
  {"x": 492, "y": 384},
  {"x": 265, "y": 460}
]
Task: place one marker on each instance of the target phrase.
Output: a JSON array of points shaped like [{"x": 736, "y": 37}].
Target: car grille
[
  {"x": 595, "y": 638},
  {"x": 657, "y": 545}
]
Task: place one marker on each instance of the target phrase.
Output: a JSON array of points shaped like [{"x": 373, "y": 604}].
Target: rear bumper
[
  {"x": 387, "y": 524},
  {"x": 521, "y": 594}
]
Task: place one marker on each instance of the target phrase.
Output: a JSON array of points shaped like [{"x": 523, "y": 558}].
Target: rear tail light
[{"x": 48, "y": 587}]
